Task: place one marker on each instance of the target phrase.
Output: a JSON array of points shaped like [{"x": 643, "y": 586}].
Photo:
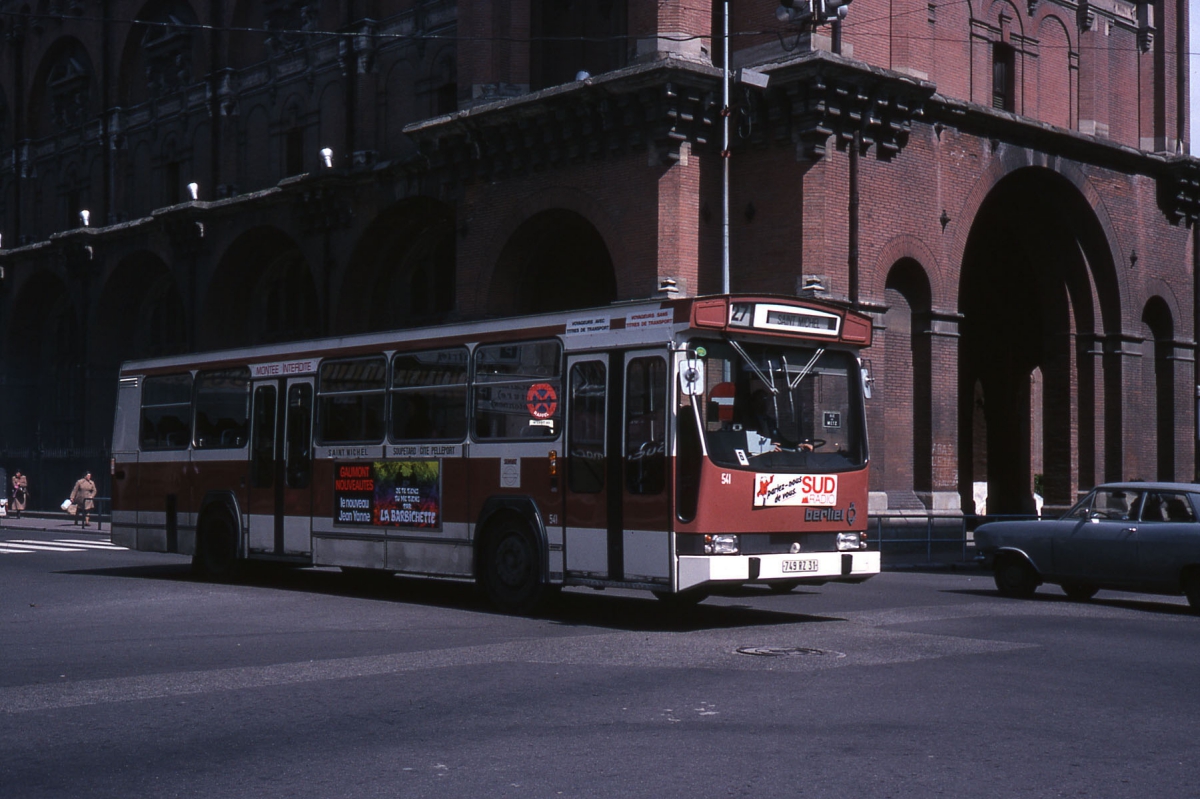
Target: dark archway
[
  {"x": 1038, "y": 291},
  {"x": 140, "y": 314},
  {"x": 907, "y": 451},
  {"x": 555, "y": 261},
  {"x": 1160, "y": 366},
  {"x": 261, "y": 293},
  {"x": 402, "y": 273},
  {"x": 40, "y": 408}
]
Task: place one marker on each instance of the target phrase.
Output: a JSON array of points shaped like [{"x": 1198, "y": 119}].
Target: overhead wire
[{"x": 853, "y": 24}]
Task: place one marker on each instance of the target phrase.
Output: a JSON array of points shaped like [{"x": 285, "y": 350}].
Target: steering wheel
[{"x": 815, "y": 443}]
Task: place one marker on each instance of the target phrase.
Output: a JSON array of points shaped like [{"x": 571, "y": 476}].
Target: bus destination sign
[{"x": 784, "y": 318}]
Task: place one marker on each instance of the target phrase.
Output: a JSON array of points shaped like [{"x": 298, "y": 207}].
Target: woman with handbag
[
  {"x": 20, "y": 493},
  {"x": 83, "y": 497}
]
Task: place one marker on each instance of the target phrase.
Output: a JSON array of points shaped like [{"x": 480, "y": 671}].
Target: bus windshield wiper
[
  {"x": 768, "y": 382},
  {"x": 803, "y": 372}
]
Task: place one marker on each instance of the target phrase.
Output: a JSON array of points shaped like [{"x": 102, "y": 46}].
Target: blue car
[{"x": 1121, "y": 536}]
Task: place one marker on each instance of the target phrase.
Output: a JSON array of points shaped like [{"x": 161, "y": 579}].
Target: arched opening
[
  {"x": 1037, "y": 279},
  {"x": 555, "y": 261},
  {"x": 1159, "y": 374},
  {"x": 40, "y": 408},
  {"x": 262, "y": 292},
  {"x": 402, "y": 273},
  {"x": 907, "y": 429}
]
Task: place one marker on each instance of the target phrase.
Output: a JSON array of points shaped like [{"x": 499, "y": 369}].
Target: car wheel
[
  {"x": 1015, "y": 577},
  {"x": 1080, "y": 592},
  {"x": 1191, "y": 587},
  {"x": 511, "y": 568},
  {"x": 216, "y": 556}
]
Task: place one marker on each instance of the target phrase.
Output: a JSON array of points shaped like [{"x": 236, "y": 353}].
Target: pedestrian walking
[
  {"x": 20, "y": 493},
  {"x": 83, "y": 497}
]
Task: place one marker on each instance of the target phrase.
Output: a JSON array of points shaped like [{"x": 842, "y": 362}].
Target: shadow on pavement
[
  {"x": 1049, "y": 595},
  {"x": 573, "y": 608}
]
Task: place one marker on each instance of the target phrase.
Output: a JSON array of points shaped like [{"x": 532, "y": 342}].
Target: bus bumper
[{"x": 823, "y": 567}]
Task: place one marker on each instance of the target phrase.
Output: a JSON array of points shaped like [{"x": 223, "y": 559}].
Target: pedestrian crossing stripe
[{"x": 19, "y": 545}]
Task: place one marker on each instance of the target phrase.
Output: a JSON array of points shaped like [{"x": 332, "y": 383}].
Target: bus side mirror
[
  {"x": 867, "y": 380},
  {"x": 691, "y": 378}
]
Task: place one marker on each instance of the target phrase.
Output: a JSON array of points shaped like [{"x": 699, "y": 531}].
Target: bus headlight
[
  {"x": 721, "y": 545},
  {"x": 851, "y": 541}
]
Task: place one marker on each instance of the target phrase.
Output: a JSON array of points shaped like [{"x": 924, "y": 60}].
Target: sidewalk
[{"x": 50, "y": 522}]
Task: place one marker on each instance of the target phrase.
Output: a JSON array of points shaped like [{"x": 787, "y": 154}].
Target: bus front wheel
[
  {"x": 511, "y": 568},
  {"x": 215, "y": 557}
]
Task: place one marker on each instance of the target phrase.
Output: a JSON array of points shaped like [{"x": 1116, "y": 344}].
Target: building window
[
  {"x": 1003, "y": 62},
  {"x": 294, "y": 152},
  {"x": 171, "y": 181}
]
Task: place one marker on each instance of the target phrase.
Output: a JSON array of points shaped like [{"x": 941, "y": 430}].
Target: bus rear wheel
[
  {"x": 511, "y": 571},
  {"x": 215, "y": 557}
]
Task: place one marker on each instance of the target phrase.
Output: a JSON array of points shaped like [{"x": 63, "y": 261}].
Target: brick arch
[
  {"x": 262, "y": 291},
  {"x": 1162, "y": 291},
  {"x": 529, "y": 276},
  {"x": 402, "y": 271},
  {"x": 906, "y": 247},
  {"x": 567, "y": 199},
  {"x": 1009, "y": 161}
]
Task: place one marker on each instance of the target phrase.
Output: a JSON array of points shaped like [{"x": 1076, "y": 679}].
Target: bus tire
[
  {"x": 216, "y": 555},
  {"x": 511, "y": 571}
]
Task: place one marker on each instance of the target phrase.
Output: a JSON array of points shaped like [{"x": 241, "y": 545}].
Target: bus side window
[
  {"x": 350, "y": 405},
  {"x": 166, "y": 412},
  {"x": 222, "y": 414},
  {"x": 518, "y": 390},
  {"x": 429, "y": 395}
]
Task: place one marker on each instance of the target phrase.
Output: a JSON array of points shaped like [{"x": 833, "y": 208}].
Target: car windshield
[
  {"x": 1107, "y": 503},
  {"x": 771, "y": 407}
]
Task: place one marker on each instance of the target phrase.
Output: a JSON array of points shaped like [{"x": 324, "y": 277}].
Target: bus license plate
[{"x": 792, "y": 566}]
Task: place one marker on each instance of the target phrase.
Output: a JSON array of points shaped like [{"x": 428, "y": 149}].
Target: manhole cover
[{"x": 788, "y": 652}]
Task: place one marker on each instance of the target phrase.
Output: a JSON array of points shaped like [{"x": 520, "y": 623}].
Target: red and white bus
[{"x": 675, "y": 445}]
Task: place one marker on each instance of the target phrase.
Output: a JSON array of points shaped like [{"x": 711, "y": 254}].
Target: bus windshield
[{"x": 779, "y": 408}]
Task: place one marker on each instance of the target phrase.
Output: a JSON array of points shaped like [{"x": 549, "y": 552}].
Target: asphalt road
[{"x": 121, "y": 676}]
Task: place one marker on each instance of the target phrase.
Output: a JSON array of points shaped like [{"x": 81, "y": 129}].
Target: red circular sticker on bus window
[{"x": 542, "y": 400}]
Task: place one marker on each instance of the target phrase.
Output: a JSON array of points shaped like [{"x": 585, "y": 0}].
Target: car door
[
  {"x": 1168, "y": 539},
  {"x": 1103, "y": 546}
]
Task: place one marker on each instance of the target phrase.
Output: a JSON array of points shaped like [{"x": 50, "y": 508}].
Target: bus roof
[{"x": 655, "y": 320}]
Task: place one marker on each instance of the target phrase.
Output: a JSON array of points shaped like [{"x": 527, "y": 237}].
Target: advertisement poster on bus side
[{"x": 404, "y": 494}]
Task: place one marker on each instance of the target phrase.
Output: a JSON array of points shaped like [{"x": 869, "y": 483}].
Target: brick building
[{"x": 1004, "y": 186}]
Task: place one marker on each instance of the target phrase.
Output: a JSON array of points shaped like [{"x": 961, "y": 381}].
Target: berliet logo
[{"x": 851, "y": 513}]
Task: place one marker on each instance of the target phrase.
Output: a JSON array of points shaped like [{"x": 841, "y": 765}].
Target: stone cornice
[{"x": 656, "y": 108}]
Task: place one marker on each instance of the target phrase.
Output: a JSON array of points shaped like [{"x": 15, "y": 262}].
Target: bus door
[
  {"x": 280, "y": 495},
  {"x": 586, "y": 499},
  {"x": 617, "y": 507},
  {"x": 645, "y": 544}
]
